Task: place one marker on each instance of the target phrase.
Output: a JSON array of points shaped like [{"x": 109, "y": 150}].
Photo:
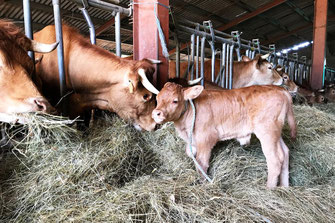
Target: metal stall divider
[
  {"x": 229, "y": 42},
  {"x": 273, "y": 55},
  {"x": 202, "y": 64},
  {"x": 223, "y": 63},
  {"x": 212, "y": 45},
  {"x": 177, "y": 55},
  {"x": 305, "y": 67},
  {"x": 192, "y": 56},
  {"x": 27, "y": 25},
  {"x": 237, "y": 38},
  {"x": 60, "y": 48},
  {"x": 197, "y": 54},
  {"x": 87, "y": 17}
]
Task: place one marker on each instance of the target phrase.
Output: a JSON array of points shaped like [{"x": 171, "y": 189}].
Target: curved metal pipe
[{"x": 90, "y": 24}]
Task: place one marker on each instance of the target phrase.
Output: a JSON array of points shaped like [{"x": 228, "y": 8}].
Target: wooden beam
[
  {"x": 107, "y": 25},
  {"x": 146, "y": 39},
  {"x": 319, "y": 43},
  {"x": 250, "y": 15}
]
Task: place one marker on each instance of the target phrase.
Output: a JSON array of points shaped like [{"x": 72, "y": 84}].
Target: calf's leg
[
  {"x": 284, "y": 175},
  {"x": 203, "y": 156},
  {"x": 274, "y": 158}
]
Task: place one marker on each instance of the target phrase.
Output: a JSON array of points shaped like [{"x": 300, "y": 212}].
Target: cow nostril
[{"x": 41, "y": 106}]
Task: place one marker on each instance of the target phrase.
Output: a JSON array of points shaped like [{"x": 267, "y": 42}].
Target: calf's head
[
  {"x": 288, "y": 84},
  {"x": 171, "y": 101},
  {"x": 330, "y": 94}
]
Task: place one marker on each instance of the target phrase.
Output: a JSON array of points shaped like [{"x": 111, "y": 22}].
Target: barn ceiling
[{"x": 283, "y": 22}]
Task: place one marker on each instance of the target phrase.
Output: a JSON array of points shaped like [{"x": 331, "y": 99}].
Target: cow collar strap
[{"x": 190, "y": 143}]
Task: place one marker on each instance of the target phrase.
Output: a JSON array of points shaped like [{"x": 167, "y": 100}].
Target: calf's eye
[{"x": 175, "y": 101}]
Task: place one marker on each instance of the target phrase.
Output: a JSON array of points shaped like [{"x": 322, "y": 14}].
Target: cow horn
[
  {"x": 193, "y": 82},
  {"x": 279, "y": 68},
  {"x": 131, "y": 87},
  {"x": 146, "y": 83},
  {"x": 154, "y": 61},
  {"x": 42, "y": 47},
  {"x": 264, "y": 57}
]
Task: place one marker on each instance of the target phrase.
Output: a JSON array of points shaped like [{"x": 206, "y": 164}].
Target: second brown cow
[
  {"x": 257, "y": 71},
  {"x": 231, "y": 114}
]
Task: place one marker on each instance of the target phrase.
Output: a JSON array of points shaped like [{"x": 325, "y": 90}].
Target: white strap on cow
[{"x": 191, "y": 135}]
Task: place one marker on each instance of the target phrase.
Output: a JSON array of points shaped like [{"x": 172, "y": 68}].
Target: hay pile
[{"x": 113, "y": 173}]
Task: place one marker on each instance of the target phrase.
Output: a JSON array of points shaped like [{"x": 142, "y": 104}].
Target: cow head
[
  {"x": 171, "y": 101},
  {"x": 139, "y": 96},
  {"x": 18, "y": 93},
  {"x": 263, "y": 71},
  {"x": 288, "y": 84},
  {"x": 330, "y": 94}
]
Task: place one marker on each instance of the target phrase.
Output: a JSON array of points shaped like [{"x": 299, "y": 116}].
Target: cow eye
[
  {"x": 175, "y": 101},
  {"x": 146, "y": 97},
  {"x": 285, "y": 77},
  {"x": 270, "y": 67}
]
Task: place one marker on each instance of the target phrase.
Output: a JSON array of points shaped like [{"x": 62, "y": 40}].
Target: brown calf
[
  {"x": 231, "y": 114},
  {"x": 288, "y": 84}
]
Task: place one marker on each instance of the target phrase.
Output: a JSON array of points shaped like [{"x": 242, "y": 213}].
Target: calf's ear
[{"x": 193, "y": 92}]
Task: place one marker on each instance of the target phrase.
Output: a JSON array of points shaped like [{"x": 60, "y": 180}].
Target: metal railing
[
  {"x": 329, "y": 75},
  {"x": 225, "y": 45}
]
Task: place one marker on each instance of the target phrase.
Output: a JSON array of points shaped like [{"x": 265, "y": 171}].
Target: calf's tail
[{"x": 291, "y": 121}]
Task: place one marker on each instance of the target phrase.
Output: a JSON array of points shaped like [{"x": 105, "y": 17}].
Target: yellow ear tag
[{"x": 131, "y": 87}]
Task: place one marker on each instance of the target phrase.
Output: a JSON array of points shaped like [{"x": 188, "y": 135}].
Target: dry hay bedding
[{"x": 116, "y": 174}]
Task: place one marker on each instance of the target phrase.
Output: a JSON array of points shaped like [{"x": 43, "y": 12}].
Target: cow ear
[
  {"x": 246, "y": 59},
  {"x": 258, "y": 60},
  {"x": 193, "y": 92},
  {"x": 131, "y": 82}
]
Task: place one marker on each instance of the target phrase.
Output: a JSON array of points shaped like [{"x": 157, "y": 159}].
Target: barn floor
[{"x": 116, "y": 174}]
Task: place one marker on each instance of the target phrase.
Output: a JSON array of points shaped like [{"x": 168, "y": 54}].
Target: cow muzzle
[
  {"x": 40, "y": 104},
  {"x": 158, "y": 116}
]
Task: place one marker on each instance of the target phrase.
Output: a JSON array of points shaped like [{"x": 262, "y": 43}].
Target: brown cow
[
  {"x": 245, "y": 73},
  {"x": 229, "y": 114},
  {"x": 98, "y": 79},
  {"x": 18, "y": 92}
]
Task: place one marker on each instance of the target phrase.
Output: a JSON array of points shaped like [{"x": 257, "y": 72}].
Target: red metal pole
[
  {"x": 146, "y": 38},
  {"x": 319, "y": 43}
]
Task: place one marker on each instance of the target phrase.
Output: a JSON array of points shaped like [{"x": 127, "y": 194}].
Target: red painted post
[
  {"x": 319, "y": 43},
  {"x": 146, "y": 40}
]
